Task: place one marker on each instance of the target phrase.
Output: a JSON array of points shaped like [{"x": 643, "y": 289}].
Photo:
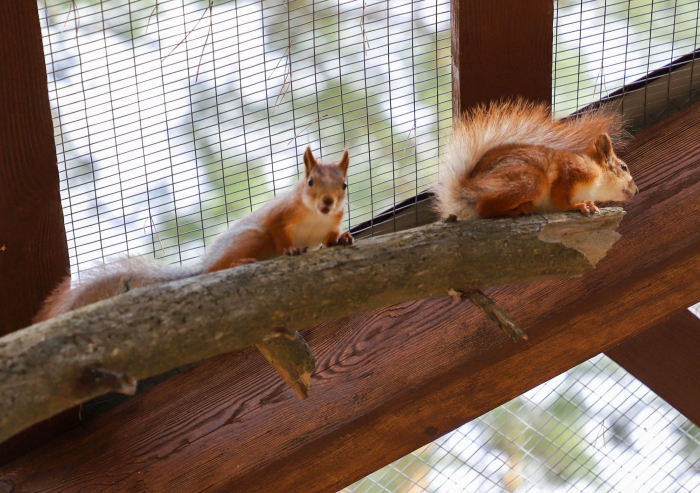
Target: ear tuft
[
  {"x": 309, "y": 161},
  {"x": 604, "y": 145},
  {"x": 344, "y": 162}
]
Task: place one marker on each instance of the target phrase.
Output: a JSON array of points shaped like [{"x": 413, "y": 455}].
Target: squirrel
[
  {"x": 308, "y": 216},
  {"x": 511, "y": 158}
]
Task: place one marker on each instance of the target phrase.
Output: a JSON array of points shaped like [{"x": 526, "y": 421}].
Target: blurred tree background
[{"x": 174, "y": 118}]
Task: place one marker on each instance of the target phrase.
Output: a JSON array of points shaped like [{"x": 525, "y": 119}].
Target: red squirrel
[
  {"x": 308, "y": 216},
  {"x": 511, "y": 158}
]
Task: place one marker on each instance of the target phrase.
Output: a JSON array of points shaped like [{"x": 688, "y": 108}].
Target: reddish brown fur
[
  {"x": 269, "y": 231},
  {"x": 512, "y": 179},
  {"x": 313, "y": 213},
  {"x": 518, "y": 134}
]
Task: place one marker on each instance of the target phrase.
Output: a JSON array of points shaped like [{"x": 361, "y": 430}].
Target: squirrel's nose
[{"x": 328, "y": 201}]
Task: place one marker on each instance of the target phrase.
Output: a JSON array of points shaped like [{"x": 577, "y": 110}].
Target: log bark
[
  {"x": 292, "y": 359},
  {"x": 147, "y": 331}
]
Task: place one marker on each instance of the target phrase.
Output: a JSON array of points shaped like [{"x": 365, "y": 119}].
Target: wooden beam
[
  {"x": 666, "y": 358},
  {"x": 392, "y": 380},
  {"x": 33, "y": 247},
  {"x": 501, "y": 48}
]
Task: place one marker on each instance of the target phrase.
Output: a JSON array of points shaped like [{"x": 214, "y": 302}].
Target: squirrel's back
[
  {"x": 514, "y": 122},
  {"x": 110, "y": 280}
]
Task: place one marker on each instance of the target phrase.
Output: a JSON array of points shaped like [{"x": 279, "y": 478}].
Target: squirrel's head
[
  {"x": 325, "y": 184},
  {"x": 617, "y": 184}
]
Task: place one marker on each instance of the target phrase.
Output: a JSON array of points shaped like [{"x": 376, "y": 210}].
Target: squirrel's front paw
[
  {"x": 295, "y": 250},
  {"x": 586, "y": 208},
  {"x": 344, "y": 239}
]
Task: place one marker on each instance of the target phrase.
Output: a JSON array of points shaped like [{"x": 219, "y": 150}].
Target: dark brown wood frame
[
  {"x": 392, "y": 380},
  {"x": 33, "y": 246}
]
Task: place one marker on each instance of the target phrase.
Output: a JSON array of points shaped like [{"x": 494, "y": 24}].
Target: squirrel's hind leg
[
  {"x": 247, "y": 247},
  {"x": 510, "y": 193}
]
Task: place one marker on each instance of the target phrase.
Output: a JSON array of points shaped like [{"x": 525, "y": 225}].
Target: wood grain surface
[
  {"x": 394, "y": 379},
  {"x": 501, "y": 49},
  {"x": 666, "y": 358},
  {"x": 33, "y": 248}
]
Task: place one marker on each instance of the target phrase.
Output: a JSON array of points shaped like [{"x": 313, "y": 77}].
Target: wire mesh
[
  {"x": 695, "y": 310},
  {"x": 606, "y": 49},
  {"x": 175, "y": 118},
  {"x": 594, "y": 428}
]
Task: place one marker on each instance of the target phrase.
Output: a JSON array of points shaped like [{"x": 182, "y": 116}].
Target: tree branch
[
  {"x": 291, "y": 356},
  {"x": 493, "y": 311},
  {"x": 150, "y": 330}
]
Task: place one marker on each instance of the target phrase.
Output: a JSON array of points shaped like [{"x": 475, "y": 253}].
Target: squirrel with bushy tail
[
  {"x": 308, "y": 216},
  {"x": 510, "y": 158}
]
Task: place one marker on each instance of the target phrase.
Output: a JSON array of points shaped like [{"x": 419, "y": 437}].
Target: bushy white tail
[
  {"x": 110, "y": 280},
  {"x": 515, "y": 122}
]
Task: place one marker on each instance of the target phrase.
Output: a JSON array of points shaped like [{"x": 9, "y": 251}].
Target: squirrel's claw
[
  {"x": 345, "y": 239},
  {"x": 295, "y": 250},
  {"x": 587, "y": 208}
]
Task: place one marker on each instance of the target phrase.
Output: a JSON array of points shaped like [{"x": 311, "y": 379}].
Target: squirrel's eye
[
  {"x": 623, "y": 166},
  {"x": 310, "y": 182},
  {"x": 345, "y": 185}
]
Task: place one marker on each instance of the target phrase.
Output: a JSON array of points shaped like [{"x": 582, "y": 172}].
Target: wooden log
[{"x": 147, "y": 331}]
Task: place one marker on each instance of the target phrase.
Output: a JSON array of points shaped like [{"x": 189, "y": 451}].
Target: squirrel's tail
[
  {"x": 110, "y": 280},
  {"x": 514, "y": 122}
]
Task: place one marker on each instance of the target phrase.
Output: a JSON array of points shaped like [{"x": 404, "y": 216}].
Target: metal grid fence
[
  {"x": 173, "y": 118},
  {"x": 641, "y": 51},
  {"x": 594, "y": 428}
]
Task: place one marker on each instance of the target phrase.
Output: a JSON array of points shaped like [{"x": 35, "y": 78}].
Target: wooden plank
[
  {"x": 33, "y": 247},
  {"x": 495, "y": 55},
  {"x": 391, "y": 380},
  {"x": 666, "y": 358}
]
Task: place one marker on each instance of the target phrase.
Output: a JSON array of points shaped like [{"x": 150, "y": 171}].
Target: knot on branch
[
  {"x": 94, "y": 376},
  {"x": 493, "y": 311}
]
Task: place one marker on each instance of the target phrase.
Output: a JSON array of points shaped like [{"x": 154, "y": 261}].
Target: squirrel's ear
[
  {"x": 604, "y": 145},
  {"x": 344, "y": 162},
  {"x": 309, "y": 161}
]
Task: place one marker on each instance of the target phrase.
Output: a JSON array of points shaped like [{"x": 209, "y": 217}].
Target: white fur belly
[{"x": 312, "y": 230}]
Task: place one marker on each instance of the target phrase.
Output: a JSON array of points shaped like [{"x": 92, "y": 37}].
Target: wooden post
[
  {"x": 501, "y": 49},
  {"x": 33, "y": 248}
]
